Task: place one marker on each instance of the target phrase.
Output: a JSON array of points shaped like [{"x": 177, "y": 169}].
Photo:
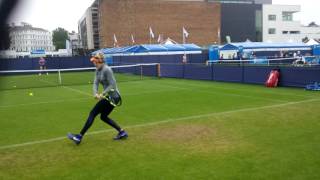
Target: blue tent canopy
[
  {"x": 191, "y": 47},
  {"x": 262, "y": 45},
  {"x": 154, "y": 48},
  {"x": 174, "y": 47},
  {"x": 229, "y": 47},
  {"x": 115, "y": 50},
  {"x": 147, "y": 48}
]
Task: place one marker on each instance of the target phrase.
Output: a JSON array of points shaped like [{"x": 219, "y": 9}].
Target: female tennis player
[
  {"x": 42, "y": 64},
  {"x": 107, "y": 100}
]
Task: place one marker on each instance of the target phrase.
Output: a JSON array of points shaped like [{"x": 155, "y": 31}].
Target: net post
[
  {"x": 59, "y": 76},
  {"x": 158, "y": 70},
  {"x": 141, "y": 72}
]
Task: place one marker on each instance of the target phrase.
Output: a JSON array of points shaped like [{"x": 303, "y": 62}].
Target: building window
[
  {"x": 287, "y": 16},
  {"x": 272, "y": 31},
  {"x": 272, "y": 17},
  {"x": 285, "y": 32}
]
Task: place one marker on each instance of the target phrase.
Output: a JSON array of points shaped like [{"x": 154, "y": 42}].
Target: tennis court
[{"x": 179, "y": 129}]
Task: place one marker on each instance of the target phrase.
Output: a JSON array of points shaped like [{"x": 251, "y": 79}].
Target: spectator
[
  {"x": 184, "y": 59},
  {"x": 42, "y": 63}
]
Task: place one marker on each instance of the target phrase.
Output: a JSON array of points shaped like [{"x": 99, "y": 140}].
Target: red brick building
[{"x": 166, "y": 17}]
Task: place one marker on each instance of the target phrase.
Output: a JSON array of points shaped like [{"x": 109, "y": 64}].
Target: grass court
[{"x": 178, "y": 129}]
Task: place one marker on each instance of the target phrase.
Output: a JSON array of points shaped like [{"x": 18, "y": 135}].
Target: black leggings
[{"x": 104, "y": 108}]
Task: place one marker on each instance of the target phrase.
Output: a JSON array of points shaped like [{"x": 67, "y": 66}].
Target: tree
[{"x": 59, "y": 37}]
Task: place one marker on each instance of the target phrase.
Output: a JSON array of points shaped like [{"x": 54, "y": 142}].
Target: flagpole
[
  {"x": 182, "y": 36},
  {"x": 132, "y": 39},
  {"x": 149, "y": 34},
  {"x": 115, "y": 41},
  {"x": 184, "y": 58}
]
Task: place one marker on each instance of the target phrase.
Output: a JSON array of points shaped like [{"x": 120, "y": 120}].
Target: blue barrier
[
  {"x": 197, "y": 72},
  {"x": 172, "y": 71},
  {"x": 289, "y": 76},
  {"x": 150, "y": 71},
  {"x": 150, "y": 59},
  {"x": 51, "y": 63},
  {"x": 116, "y": 60},
  {"x": 227, "y": 73},
  {"x": 256, "y": 74},
  {"x": 299, "y": 76},
  {"x": 16, "y": 64},
  {"x": 172, "y": 67}
]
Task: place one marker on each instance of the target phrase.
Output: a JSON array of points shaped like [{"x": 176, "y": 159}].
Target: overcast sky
[{"x": 50, "y": 14}]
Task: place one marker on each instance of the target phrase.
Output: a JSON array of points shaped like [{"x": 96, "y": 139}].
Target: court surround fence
[{"x": 172, "y": 67}]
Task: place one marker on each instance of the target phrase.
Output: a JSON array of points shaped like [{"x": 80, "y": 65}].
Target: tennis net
[{"x": 23, "y": 79}]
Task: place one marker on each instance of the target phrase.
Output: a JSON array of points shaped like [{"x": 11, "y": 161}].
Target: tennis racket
[{"x": 114, "y": 98}]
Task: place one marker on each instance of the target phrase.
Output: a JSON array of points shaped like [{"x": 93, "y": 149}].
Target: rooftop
[{"x": 25, "y": 26}]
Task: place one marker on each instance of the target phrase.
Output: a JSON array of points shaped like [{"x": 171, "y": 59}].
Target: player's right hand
[{"x": 97, "y": 96}]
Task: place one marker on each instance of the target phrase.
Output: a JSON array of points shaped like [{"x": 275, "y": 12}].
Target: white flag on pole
[
  {"x": 132, "y": 38},
  {"x": 115, "y": 41},
  {"x": 151, "y": 33},
  {"x": 115, "y": 38},
  {"x": 159, "y": 38},
  {"x": 185, "y": 32}
]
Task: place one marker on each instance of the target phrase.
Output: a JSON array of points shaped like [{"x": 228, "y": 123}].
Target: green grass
[
  {"x": 179, "y": 129},
  {"x": 52, "y": 79}
]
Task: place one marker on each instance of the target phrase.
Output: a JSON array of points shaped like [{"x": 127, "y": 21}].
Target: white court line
[
  {"x": 187, "y": 89},
  {"x": 76, "y": 99},
  {"x": 43, "y": 102},
  {"x": 149, "y": 92},
  {"x": 77, "y": 90},
  {"x": 163, "y": 122},
  {"x": 242, "y": 89},
  {"x": 128, "y": 94},
  {"x": 229, "y": 94},
  {"x": 125, "y": 94},
  {"x": 141, "y": 93},
  {"x": 213, "y": 92},
  {"x": 69, "y": 88}
]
